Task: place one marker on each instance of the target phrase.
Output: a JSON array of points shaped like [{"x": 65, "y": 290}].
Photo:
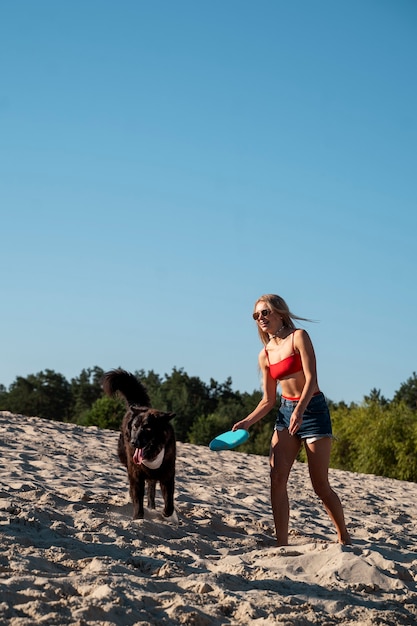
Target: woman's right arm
[{"x": 268, "y": 400}]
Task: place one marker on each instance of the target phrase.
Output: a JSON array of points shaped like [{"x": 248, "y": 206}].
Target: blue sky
[{"x": 163, "y": 164}]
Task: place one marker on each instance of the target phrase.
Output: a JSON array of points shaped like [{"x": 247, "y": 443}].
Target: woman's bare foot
[{"x": 345, "y": 540}]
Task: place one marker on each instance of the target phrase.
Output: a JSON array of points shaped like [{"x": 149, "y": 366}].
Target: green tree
[
  {"x": 3, "y": 397},
  {"x": 376, "y": 439},
  {"x": 406, "y": 449},
  {"x": 105, "y": 413},
  {"x": 46, "y": 394},
  {"x": 375, "y": 397},
  {"x": 387, "y": 445},
  {"x": 153, "y": 384},
  {"x": 206, "y": 427},
  {"x": 85, "y": 389},
  {"x": 187, "y": 397},
  {"x": 222, "y": 392},
  {"x": 408, "y": 392}
]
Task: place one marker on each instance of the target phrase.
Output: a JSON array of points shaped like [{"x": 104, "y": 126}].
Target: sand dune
[{"x": 70, "y": 553}]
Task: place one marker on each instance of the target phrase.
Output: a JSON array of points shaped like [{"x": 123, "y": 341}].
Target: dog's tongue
[{"x": 138, "y": 456}]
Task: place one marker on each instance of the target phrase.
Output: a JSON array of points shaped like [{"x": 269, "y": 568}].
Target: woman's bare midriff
[{"x": 293, "y": 386}]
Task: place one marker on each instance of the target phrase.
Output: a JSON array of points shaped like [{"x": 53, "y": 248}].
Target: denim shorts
[{"x": 316, "y": 418}]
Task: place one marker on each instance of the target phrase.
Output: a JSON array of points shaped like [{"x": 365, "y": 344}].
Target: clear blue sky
[{"x": 162, "y": 164}]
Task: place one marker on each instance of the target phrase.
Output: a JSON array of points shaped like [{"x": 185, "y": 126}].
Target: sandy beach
[{"x": 71, "y": 554}]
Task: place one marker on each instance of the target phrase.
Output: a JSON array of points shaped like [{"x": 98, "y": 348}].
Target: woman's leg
[
  {"x": 284, "y": 450},
  {"x": 318, "y": 455}
]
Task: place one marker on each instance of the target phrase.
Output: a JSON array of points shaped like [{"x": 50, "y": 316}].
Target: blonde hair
[{"x": 279, "y": 306}]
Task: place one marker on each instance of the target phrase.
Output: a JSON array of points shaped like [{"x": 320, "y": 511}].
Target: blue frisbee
[{"x": 229, "y": 440}]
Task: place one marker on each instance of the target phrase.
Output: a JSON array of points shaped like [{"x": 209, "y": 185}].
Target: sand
[{"x": 71, "y": 554}]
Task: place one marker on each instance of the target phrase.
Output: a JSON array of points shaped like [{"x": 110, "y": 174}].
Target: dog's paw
[{"x": 172, "y": 519}]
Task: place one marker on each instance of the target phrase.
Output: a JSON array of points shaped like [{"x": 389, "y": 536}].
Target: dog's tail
[{"x": 127, "y": 385}]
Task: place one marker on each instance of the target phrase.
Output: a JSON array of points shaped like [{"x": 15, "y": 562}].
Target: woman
[{"x": 288, "y": 358}]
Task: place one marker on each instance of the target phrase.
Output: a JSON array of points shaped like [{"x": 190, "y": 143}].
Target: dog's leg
[
  {"x": 151, "y": 494},
  {"x": 121, "y": 450},
  {"x": 137, "y": 493},
  {"x": 167, "y": 489}
]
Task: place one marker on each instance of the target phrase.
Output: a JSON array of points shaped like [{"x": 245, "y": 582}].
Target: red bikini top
[{"x": 290, "y": 365}]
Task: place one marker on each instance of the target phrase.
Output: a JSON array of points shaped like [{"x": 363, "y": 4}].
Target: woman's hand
[
  {"x": 295, "y": 422},
  {"x": 242, "y": 424}
]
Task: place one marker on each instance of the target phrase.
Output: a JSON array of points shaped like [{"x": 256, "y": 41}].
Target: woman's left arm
[{"x": 303, "y": 344}]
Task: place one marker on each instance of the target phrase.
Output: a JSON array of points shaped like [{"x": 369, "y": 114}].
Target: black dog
[{"x": 146, "y": 443}]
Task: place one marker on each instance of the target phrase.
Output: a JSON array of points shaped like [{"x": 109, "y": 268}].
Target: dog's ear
[
  {"x": 168, "y": 416},
  {"x": 129, "y": 422},
  {"x": 138, "y": 411},
  {"x": 134, "y": 412}
]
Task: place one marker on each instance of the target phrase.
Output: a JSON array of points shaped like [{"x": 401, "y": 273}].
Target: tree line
[{"x": 376, "y": 436}]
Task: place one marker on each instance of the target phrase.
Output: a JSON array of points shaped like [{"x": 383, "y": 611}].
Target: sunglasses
[{"x": 263, "y": 313}]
